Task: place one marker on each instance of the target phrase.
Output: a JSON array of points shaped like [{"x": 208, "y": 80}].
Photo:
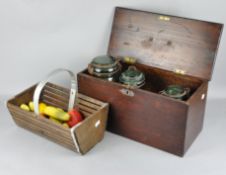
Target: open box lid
[{"x": 171, "y": 43}]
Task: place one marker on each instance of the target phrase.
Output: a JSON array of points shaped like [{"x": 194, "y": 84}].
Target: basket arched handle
[{"x": 42, "y": 84}]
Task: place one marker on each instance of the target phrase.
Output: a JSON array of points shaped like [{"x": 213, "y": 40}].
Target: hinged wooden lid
[{"x": 176, "y": 44}]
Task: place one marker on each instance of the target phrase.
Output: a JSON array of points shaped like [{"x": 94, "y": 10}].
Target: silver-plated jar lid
[
  {"x": 176, "y": 92},
  {"x": 104, "y": 66},
  {"x": 103, "y": 61},
  {"x": 132, "y": 77}
]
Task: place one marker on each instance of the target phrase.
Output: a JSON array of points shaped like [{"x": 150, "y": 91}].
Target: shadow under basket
[{"x": 80, "y": 138}]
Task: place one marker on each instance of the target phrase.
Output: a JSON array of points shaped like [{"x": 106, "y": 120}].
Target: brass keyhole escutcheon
[{"x": 127, "y": 92}]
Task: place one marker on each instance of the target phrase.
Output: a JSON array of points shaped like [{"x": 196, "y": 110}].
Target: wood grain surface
[
  {"x": 167, "y": 42},
  {"x": 87, "y": 133}
]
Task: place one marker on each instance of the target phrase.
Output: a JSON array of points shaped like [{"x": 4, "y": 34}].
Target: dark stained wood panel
[
  {"x": 146, "y": 117},
  {"x": 166, "y": 42}
]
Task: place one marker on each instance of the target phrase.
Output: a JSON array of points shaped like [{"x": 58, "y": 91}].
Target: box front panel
[{"x": 140, "y": 115}]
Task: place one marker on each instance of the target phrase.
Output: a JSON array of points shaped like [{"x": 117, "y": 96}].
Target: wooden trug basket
[{"x": 80, "y": 138}]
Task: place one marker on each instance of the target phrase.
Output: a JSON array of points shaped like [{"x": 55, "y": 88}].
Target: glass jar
[
  {"x": 132, "y": 77},
  {"x": 105, "y": 67},
  {"x": 176, "y": 92}
]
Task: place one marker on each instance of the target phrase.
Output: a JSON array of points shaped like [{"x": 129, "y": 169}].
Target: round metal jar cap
[
  {"x": 104, "y": 66},
  {"x": 175, "y": 91},
  {"x": 104, "y": 61},
  {"x": 132, "y": 77}
]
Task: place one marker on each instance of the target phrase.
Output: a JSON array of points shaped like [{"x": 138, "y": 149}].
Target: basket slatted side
[
  {"x": 58, "y": 96},
  {"x": 91, "y": 109},
  {"x": 41, "y": 126}
]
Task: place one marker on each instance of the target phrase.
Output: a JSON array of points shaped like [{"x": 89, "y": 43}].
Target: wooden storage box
[
  {"x": 169, "y": 50},
  {"x": 80, "y": 138}
]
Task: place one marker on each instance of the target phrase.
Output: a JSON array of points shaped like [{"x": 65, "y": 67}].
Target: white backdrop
[{"x": 37, "y": 36}]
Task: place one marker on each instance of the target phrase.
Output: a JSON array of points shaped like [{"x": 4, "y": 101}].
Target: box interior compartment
[
  {"x": 164, "y": 45},
  {"x": 158, "y": 79}
]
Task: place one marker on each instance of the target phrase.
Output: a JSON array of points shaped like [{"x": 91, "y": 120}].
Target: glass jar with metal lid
[
  {"x": 176, "y": 92},
  {"x": 132, "y": 77},
  {"x": 105, "y": 67}
]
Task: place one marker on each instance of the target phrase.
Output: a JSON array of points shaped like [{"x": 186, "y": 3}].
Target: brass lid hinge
[
  {"x": 164, "y": 18},
  {"x": 129, "y": 60},
  {"x": 180, "y": 71}
]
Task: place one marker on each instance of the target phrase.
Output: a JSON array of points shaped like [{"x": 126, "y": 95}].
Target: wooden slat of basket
[
  {"x": 88, "y": 105},
  {"x": 43, "y": 131},
  {"x": 58, "y": 89},
  {"x": 51, "y": 103},
  {"x": 31, "y": 117},
  {"x": 56, "y": 132},
  {"x": 54, "y": 101},
  {"x": 90, "y": 100},
  {"x": 37, "y": 130},
  {"x": 64, "y": 93},
  {"x": 42, "y": 126},
  {"x": 52, "y": 94},
  {"x": 55, "y": 95},
  {"x": 87, "y": 109},
  {"x": 85, "y": 103},
  {"x": 15, "y": 108}
]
